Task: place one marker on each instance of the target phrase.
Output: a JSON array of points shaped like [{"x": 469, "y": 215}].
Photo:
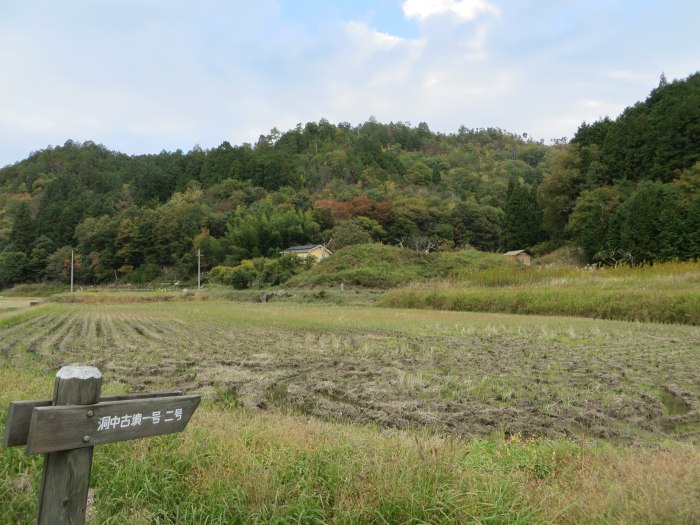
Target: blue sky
[{"x": 141, "y": 76}]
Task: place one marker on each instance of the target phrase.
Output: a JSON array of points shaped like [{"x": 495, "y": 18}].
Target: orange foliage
[
  {"x": 360, "y": 205},
  {"x": 23, "y": 196}
]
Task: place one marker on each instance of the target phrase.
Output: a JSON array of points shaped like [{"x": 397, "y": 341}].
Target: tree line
[
  {"x": 623, "y": 189},
  {"x": 629, "y": 189}
]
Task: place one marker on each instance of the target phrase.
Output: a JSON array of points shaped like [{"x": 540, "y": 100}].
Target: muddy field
[{"x": 457, "y": 373}]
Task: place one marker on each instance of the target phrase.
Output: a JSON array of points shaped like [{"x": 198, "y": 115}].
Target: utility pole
[
  {"x": 72, "y": 261},
  {"x": 199, "y": 269}
]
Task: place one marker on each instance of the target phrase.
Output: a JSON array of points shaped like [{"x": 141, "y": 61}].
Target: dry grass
[
  {"x": 660, "y": 486},
  {"x": 101, "y": 297}
]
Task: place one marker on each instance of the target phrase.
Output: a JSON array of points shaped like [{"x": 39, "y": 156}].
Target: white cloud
[
  {"x": 463, "y": 9},
  {"x": 370, "y": 38},
  {"x": 477, "y": 43}
]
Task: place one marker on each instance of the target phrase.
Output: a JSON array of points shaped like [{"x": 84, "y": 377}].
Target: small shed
[
  {"x": 522, "y": 256},
  {"x": 318, "y": 251}
]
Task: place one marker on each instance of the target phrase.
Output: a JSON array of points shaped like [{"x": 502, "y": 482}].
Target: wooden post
[
  {"x": 66, "y": 476},
  {"x": 199, "y": 269}
]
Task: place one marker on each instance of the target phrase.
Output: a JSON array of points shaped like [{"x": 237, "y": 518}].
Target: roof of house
[
  {"x": 517, "y": 252},
  {"x": 302, "y": 249}
]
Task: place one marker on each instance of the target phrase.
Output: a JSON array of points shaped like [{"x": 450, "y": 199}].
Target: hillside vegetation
[
  {"x": 380, "y": 266},
  {"x": 623, "y": 190}
]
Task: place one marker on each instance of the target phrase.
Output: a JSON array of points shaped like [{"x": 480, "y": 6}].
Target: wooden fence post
[{"x": 66, "y": 475}]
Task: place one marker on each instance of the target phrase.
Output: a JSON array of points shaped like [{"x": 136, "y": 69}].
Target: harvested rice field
[{"x": 456, "y": 373}]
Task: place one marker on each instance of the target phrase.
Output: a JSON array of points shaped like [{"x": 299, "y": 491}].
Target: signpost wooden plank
[
  {"x": 19, "y": 414},
  {"x": 66, "y": 428},
  {"x": 71, "y": 427}
]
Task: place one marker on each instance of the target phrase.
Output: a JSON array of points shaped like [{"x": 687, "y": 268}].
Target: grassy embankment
[
  {"x": 668, "y": 292},
  {"x": 380, "y": 266},
  {"x": 485, "y": 282},
  {"x": 295, "y": 462}
]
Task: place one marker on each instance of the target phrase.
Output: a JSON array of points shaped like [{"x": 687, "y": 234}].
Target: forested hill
[{"x": 627, "y": 189}]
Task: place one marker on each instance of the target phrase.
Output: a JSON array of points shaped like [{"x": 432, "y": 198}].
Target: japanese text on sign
[{"x": 135, "y": 420}]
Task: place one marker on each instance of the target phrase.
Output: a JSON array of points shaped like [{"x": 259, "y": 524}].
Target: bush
[
  {"x": 221, "y": 274},
  {"x": 146, "y": 273},
  {"x": 260, "y": 271},
  {"x": 278, "y": 271},
  {"x": 241, "y": 278}
]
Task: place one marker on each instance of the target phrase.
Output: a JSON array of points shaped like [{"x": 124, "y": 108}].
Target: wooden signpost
[{"x": 67, "y": 428}]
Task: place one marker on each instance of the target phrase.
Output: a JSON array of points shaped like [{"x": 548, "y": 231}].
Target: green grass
[
  {"x": 668, "y": 293},
  {"x": 380, "y": 266}
]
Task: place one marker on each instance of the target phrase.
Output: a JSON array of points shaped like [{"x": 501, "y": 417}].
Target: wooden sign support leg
[{"x": 66, "y": 476}]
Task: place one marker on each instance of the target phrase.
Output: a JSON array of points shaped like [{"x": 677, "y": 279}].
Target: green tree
[
  {"x": 693, "y": 229},
  {"x": 97, "y": 241},
  {"x": 265, "y": 229},
  {"x": 522, "y": 218},
  {"x": 22, "y": 233},
  {"x": 212, "y": 251},
  {"x": 649, "y": 225},
  {"x": 559, "y": 190},
  {"x": 42, "y": 248},
  {"x": 179, "y": 220},
  {"x": 589, "y": 221},
  {"x": 58, "y": 265},
  {"x": 13, "y": 268},
  {"x": 347, "y": 233},
  {"x": 372, "y": 227},
  {"x": 477, "y": 225}
]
